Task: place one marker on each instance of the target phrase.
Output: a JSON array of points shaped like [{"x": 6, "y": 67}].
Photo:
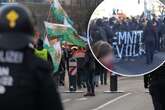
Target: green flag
[
  {"x": 59, "y": 13},
  {"x": 64, "y": 33},
  {"x": 55, "y": 53}
]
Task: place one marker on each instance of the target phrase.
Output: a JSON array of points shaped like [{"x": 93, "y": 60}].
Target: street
[
  {"x": 133, "y": 98},
  {"x": 139, "y": 66}
]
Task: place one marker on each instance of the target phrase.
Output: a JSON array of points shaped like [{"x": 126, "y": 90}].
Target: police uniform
[
  {"x": 25, "y": 82},
  {"x": 40, "y": 51},
  {"x": 157, "y": 88},
  {"x": 43, "y": 53}
]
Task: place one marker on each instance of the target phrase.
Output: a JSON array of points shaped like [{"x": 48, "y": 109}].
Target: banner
[
  {"x": 128, "y": 43},
  {"x": 64, "y": 33},
  {"x": 55, "y": 51}
]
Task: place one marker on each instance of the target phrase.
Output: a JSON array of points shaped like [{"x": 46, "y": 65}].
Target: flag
[
  {"x": 59, "y": 13},
  {"x": 46, "y": 42},
  {"x": 54, "y": 30},
  {"x": 57, "y": 55},
  {"x": 64, "y": 33},
  {"x": 55, "y": 51}
]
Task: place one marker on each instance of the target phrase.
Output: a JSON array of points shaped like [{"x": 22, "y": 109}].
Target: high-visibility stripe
[{"x": 42, "y": 54}]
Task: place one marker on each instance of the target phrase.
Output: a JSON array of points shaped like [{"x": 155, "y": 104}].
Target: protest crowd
[
  {"x": 136, "y": 36},
  {"x": 80, "y": 67}
]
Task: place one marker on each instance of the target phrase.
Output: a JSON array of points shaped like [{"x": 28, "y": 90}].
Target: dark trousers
[
  {"x": 146, "y": 81},
  {"x": 72, "y": 82},
  {"x": 157, "y": 41},
  {"x": 90, "y": 83},
  {"x": 80, "y": 74},
  {"x": 149, "y": 52},
  {"x": 62, "y": 78},
  {"x": 162, "y": 44},
  {"x": 56, "y": 80},
  {"x": 103, "y": 77},
  {"x": 158, "y": 96}
]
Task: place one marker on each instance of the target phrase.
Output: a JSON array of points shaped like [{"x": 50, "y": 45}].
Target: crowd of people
[
  {"x": 153, "y": 39},
  {"x": 90, "y": 73}
]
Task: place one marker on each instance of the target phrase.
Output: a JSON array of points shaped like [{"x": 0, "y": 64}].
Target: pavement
[
  {"x": 134, "y": 97},
  {"x": 139, "y": 66}
]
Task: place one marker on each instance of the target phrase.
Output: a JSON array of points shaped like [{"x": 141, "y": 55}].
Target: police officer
[
  {"x": 43, "y": 53},
  {"x": 40, "y": 51},
  {"x": 25, "y": 82},
  {"x": 157, "y": 88}
]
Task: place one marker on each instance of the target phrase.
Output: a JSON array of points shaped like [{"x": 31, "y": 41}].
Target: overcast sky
[{"x": 129, "y": 7}]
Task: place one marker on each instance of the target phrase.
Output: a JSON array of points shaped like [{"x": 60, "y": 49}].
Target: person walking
[
  {"x": 89, "y": 67},
  {"x": 149, "y": 41},
  {"x": 43, "y": 53},
  {"x": 155, "y": 27}
]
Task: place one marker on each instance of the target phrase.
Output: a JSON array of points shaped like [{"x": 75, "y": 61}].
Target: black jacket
[
  {"x": 28, "y": 85},
  {"x": 149, "y": 34},
  {"x": 158, "y": 76}
]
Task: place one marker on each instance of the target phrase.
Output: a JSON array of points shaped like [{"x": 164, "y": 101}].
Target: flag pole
[{"x": 50, "y": 1}]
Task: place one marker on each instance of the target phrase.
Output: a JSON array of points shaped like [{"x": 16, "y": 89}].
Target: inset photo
[{"x": 128, "y": 37}]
